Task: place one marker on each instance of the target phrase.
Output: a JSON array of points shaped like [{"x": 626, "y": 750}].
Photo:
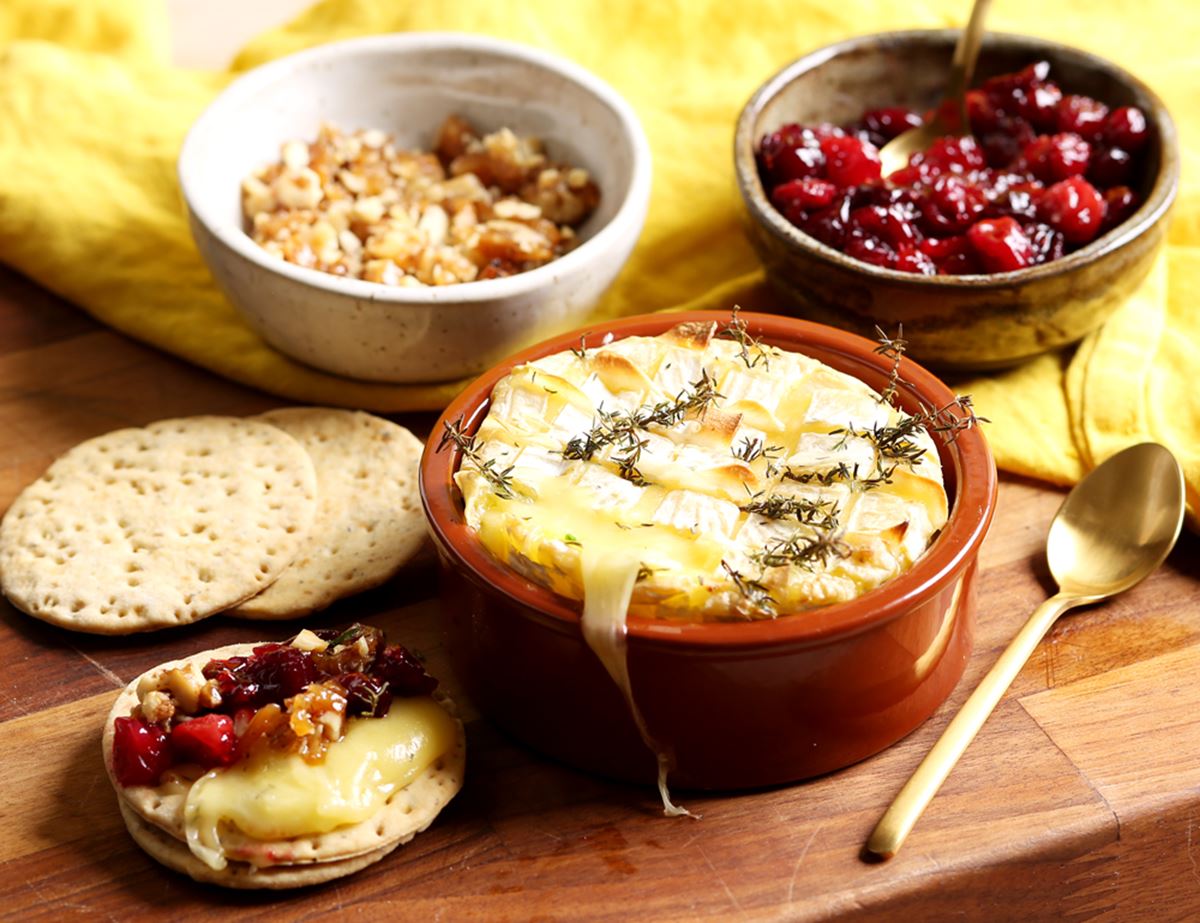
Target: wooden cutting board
[{"x": 1079, "y": 800}]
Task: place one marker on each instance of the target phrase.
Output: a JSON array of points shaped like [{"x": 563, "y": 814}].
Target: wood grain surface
[{"x": 1080, "y": 799}]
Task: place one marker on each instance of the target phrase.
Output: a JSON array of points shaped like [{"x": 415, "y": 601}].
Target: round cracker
[
  {"x": 152, "y": 527},
  {"x": 175, "y": 855},
  {"x": 406, "y": 813},
  {"x": 369, "y": 522}
]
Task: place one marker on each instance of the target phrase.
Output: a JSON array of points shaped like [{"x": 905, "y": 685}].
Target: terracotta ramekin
[{"x": 737, "y": 705}]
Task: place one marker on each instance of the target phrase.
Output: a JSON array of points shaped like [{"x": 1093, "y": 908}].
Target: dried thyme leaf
[
  {"x": 753, "y": 591},
  {"x": 751, "y": 350},
  {"x": 500, "y": 479}
]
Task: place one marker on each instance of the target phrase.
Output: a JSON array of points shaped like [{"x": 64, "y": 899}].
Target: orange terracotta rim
[{"x": 966, "y": 463}]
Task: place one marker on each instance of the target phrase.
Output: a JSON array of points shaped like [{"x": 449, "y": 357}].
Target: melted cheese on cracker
[{"x": 276, "y": 796}]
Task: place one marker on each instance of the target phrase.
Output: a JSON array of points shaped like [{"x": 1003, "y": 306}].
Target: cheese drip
[
  {"x": 276, "y": 796},
  {"x": 608, "y": 582}
]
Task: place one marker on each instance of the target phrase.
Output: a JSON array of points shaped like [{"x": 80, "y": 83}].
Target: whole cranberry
[
  {"x": 1000, "y": 244},
  {"x": 911, "y": 258},
  {"x": 281, "y": 672},
  {"x": 1013, "y": 88},
  {"x": 890, "y": 122},
  {"x": 850, "y": 162},
  {"x": 1018, "y": 200},
  {"x": 1002, "y": 147},
  {"x": 402, "y": 671},
  {"x": 871, "y": 250},
  {"x": 1126, "y": 128},
  {"x": 888, "y": 225},
  {"x": 1040, "y": 107},
  {"x": 952, "y": 256},
  {"x": 1111, "y": 166},
  {"x": 1082, "y": 115},
  {"x": 982, "y": 114},
  {"x": 140, "y": 752},
  {"x": 366, "y": 695},
  {"x": 1054, "y": 157},
  {"x": 1119, "y": 203},
  {"x": 207, "y": 741},
  {"x": 1074, "y": 207},
  {"x": 951, "y": 205},
  {"x": 798, "y": 163},
  {"x": 1048, "y": 244},
  {"x": 802, "y": 195},
  {"x": 829, "y": 224},
  {"x": 953, "y": 155}
]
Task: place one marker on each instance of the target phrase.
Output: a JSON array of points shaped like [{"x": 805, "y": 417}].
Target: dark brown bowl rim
[
  {"x": 957, "y": 545},
  {"x": 1158, "y": 201}
]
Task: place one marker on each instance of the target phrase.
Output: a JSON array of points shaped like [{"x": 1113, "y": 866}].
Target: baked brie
[{"x": 732, "y": 479}]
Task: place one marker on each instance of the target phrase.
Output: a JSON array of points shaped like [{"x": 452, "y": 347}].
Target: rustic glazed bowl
[
  {"x": 737, "y": 705},
  {"x": 407, "y": 85},
  {"x": 953, "y": 322}
]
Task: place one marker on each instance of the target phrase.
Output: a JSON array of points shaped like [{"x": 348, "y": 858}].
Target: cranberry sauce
[{"x": 1042, "y": 174}]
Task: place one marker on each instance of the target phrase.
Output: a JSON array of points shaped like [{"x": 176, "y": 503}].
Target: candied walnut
[
  {"x": 454, "y": 137},
  {"x": 349, "y": 651},
  {"x": 183, "y": 686},
  {"x": 158, "y": 707},
  {"x": 355, "y": 205},
  {"x": 317, "y": 717},
  {"x": 563, "y": 196}
]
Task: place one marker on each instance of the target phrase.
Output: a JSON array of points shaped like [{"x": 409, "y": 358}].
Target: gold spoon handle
[
  {"x": 966, "y": 53},
  {"x": 918, "y": 791}
]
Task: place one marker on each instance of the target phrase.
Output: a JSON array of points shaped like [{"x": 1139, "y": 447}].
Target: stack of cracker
[{"x": 271, "y": 517}]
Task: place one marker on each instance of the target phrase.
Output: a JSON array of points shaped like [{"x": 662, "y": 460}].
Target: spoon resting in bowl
[
  {"x": 896, "y": 153},
  {"x": 1114, "y": 529}
]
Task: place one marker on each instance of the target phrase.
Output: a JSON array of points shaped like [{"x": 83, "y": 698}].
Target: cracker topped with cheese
[
  {"x": 738, "y": 480},
  {"x": 282, "y": 765}
]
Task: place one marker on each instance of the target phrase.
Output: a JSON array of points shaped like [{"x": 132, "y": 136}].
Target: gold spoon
[
  {"x": 1113, "y": 530},
  {"x": 896, "y": 153}
]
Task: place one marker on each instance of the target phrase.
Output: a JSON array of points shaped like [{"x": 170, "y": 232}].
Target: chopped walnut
[
  {"x": 158, "y": 707},
  {"x": 183, "y": 687},
  {"x": 478, "y": 207}
]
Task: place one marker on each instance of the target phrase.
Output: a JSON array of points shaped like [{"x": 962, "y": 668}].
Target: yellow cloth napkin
[{"x": 94, "y": 116}]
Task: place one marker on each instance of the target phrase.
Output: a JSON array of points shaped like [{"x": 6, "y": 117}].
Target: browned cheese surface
[{"x": 1079, "y": 800}]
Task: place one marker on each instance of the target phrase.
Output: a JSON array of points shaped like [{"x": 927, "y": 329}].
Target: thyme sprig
[
  {"x": 753, "y": 591},
  {"x": 580, "y": 351},
  {"x": 891, "y": 442},
  {"x": 817, "y": 513},
  {"x": 896, "y": 442},
  {"x": 751, "y": 447},
  {"x": 805, "y": 551},
  {"x": 843, "y": 473},
  {"x": 893, "y": 348},
  {"x": 500, "y": 479},
  {"x": 840, "y": 472},
  {"x": 622, "y": 429},
  {"x": 751, "y": 349}
]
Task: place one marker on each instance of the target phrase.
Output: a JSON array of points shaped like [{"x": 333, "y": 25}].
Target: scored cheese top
[{"x": 741, "y": 480}]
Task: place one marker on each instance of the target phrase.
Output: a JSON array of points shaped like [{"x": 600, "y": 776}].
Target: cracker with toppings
[
  {"x": 270, "y": 792},
  {"x": 151, "y": 527},
  {"x": 369, "y": 522}
]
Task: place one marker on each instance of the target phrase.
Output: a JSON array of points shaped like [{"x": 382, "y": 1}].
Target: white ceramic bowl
[{"x": 407, "y": 84}]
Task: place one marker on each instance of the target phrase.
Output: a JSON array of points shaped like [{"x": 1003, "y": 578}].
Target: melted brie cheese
[
  {"x": 685, "y": 509},
  {"x": 276, "y": 796}
]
